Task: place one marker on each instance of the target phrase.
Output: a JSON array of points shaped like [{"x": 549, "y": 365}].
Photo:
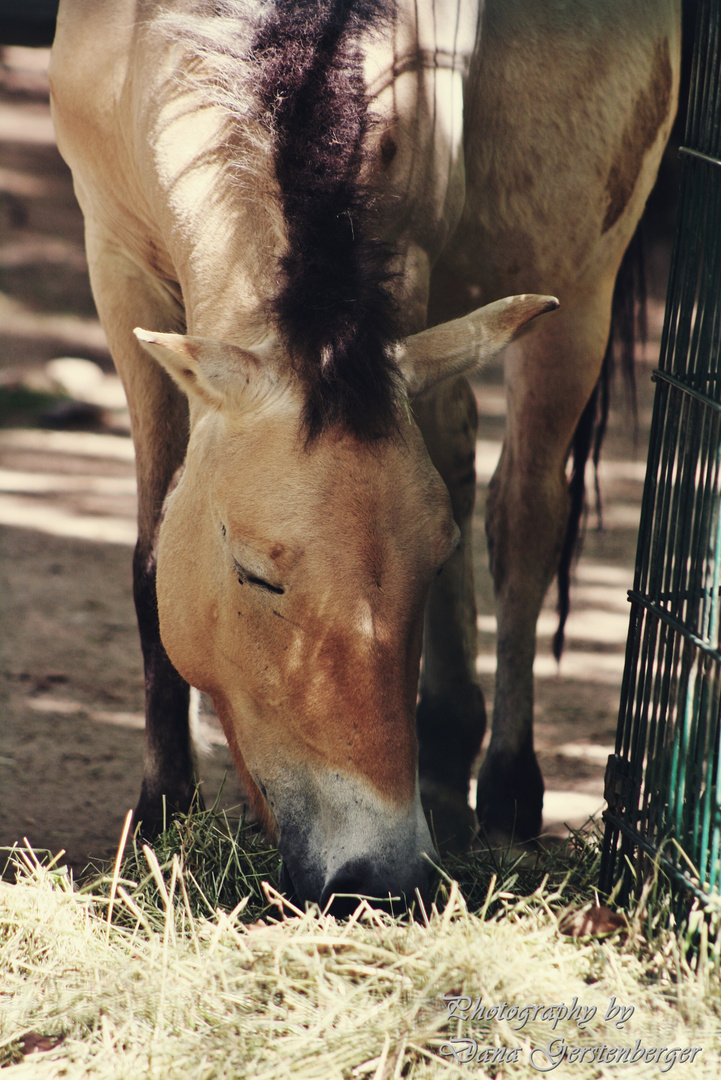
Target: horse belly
[{"x": 568, "y": 109}]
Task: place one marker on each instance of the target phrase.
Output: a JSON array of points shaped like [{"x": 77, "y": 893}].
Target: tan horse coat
[{"x": 512, "y": 150}]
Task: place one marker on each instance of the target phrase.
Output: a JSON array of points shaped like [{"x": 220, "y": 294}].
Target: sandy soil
[{"x": 70, "y": 673}]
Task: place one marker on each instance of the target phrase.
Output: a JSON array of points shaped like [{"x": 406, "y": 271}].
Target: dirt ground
[{"x": 70, "y": 672}]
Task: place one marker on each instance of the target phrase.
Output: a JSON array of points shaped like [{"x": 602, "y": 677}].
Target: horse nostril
[
  {"x": 345, "y": 889},
  {"x": 342, "y": 907},
  {"x": 362, "y": 878}
]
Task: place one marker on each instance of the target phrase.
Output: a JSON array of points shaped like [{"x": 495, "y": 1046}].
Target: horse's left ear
[
  {"x": 215, "y": 371},
  {"x": 454, "y": 347}
]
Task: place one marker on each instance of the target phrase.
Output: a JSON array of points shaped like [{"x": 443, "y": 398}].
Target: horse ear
[
  {"x": 462, "y": 344},
  {"x": 214, "y": 371}
]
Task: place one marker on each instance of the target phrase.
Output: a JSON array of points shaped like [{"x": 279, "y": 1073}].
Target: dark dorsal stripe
[{"x": 334, "y": 308}]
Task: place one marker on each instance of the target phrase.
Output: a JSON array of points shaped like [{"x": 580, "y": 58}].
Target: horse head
[{"x": 292, "y": 579}]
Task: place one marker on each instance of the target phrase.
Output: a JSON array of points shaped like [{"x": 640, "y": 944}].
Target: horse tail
[{"x": 628, "y": 325}]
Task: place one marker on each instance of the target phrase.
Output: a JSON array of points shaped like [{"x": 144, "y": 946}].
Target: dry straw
[{"x": 107, "y": 984}]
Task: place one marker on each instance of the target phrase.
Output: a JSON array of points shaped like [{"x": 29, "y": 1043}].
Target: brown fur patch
[
  {"x": 650, "y": 111},
  {"x": 377, "y": 740},
  {"x": 259, "y": 805}
]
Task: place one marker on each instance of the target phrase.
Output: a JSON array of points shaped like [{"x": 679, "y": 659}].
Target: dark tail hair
[{"x": 628, "y": 325}]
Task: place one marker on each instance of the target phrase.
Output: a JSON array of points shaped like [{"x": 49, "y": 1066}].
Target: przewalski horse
[{"x": 284, "y": 194}]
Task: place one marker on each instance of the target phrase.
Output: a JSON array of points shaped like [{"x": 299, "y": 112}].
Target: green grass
[{"x": 223, "y": 862}]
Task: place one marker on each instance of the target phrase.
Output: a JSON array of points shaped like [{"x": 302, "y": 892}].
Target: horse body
[
  {"x": 569, "y": 106},
  {"x": 300, "y": 540}
]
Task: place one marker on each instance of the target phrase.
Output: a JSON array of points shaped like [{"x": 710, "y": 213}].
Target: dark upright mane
[{"x": 334, "y": 309}]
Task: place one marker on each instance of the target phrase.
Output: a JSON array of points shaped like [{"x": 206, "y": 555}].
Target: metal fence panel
[{"x": 663, "y": 786}]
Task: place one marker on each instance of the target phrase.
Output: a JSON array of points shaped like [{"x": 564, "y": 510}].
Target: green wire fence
[{"x": 663, "y": 786}]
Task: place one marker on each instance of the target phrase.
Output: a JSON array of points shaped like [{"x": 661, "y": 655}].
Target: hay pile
[{"x": 163, "y": 991}]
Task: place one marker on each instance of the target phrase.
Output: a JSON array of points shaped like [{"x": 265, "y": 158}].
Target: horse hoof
[{"x": 510, "y": 798}]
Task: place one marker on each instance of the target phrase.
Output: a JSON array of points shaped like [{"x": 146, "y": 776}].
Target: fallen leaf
[
  {"x": 593, "y": 920},
  {"x": 35, "y": 1043}
]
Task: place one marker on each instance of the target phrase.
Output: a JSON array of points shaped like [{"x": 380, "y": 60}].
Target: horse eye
[{"x": 252, "y": 579}]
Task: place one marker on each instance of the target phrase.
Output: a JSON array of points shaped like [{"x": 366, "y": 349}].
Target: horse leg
[
  {"x": 128, "y": 297},
  {"x": 451, "y": 715},
  {"x": 550, "y": 375}
]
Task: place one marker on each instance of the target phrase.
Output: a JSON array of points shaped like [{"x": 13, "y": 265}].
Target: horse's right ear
[{"x": 215, "y": 371}]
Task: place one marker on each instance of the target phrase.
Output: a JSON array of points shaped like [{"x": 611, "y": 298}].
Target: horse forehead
[
  {"x": 350, "y": 499},
  {"x": 355, "y": 502},
  {"x": 275, "y": 462}
]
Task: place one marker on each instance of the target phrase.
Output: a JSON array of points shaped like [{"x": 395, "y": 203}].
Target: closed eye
[
  {"x": 244, "y": 576},
  {"x": 253, "y": 580}
]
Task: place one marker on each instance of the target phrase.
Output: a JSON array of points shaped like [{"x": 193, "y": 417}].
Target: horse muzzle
[{"x": 341, "y": 841}]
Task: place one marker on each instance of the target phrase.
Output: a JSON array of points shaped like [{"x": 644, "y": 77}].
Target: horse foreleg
[
  {"x": 169, "y": 773},
  {"x": 550, "y": 375},
  {"x": 127, "y": 297},
  {"x": 451, "y": 713}
]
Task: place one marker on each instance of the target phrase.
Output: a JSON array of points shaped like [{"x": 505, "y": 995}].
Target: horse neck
[{"x": 225, "y": 242}]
